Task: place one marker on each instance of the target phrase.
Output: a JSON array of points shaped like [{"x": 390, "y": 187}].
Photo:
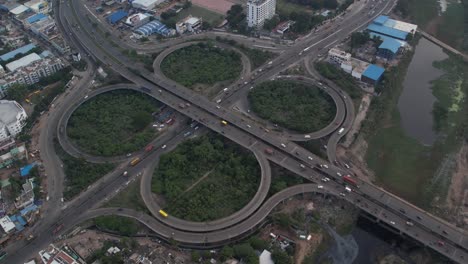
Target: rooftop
[
  {"x": 374, "y": 72},
  {"x": 24, "y": 61},
  {"x": 35, "y": 18},
  {"x": 380, "y": 20},
  {"x": 10, "y": 55},
  {"x": 8, "y": 111},
  {"x": 387, "y": 31},
  {"x": 390, "y": 44},
  {"x": 19, "y": 9}
]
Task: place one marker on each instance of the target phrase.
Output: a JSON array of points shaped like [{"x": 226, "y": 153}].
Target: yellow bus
[
  {"x": 224, "y": 123},
  {"x": 135, "y": 161},
  {"x": 161, "y": 212}
]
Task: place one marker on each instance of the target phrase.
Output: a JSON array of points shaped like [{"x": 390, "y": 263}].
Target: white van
[{"x": 341, "y": 130}]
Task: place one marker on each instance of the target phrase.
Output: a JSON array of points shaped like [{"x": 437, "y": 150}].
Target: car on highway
[
  {"x": 310, "y": 158},
  {"x": 392, "y": 222},
  {"x": 164, "y": 146},
  {"x": 320, "y": 186},
  {"x": 283, "y": 145}
]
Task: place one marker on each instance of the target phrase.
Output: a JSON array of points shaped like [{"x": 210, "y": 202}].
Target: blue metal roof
[
  {"x": 380, "y": 20},
  {"x": 117, "y": 16},
  {"x": 13, "y": 53},
  {"x": 24, "y": 171},
  {"x": 373, "y": 72},
  {"x": 390, "y": 23},
  {"x": 391, "y": 32},
  {"x": 35, "y": 18},
  {"x": 152, "y": 27},
  {"x": 390, "y": 44}
]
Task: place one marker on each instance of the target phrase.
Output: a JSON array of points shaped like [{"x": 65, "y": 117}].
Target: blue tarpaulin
[
  {"x": 24, "y": 171},
  {"x": 30, "y": 208}
]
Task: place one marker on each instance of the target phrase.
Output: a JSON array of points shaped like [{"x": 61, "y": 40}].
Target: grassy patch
[
  {"x": 113, "y": 123},
  {"x": 452, "y": 27},
  {"x": 293, "y": 105},
  {"x": 282, "y": 179},
  {"x": 79, "y": 173},
  {"x": 121, "y": 225},
  {"x": 202, "y": 64},
  {"x": 206, "y": 178},
  {"x": 284, "y": 7},
  {"x": 209, "y": 16},
  {"x": 420, "y": 11},
  {"x": 129, "y": 198}
]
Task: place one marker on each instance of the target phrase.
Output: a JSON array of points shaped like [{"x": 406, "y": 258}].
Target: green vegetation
[
  {"x": 208, "y": 16},
  {"x": 316, "y": 4},
  {"x": 113, "y": 123},
  {"x": 129, "y": 198},
  {"x": 420, "y": 11},
  {"x": 402, "y": 164},
  {"x": 282, "y": 178},
  {"x": 236, "y": 18},
  {"x": 121, "y": 225},
  {"x": 293, "y": 105},
  {"x": 202, "y": 64},
  {"x": 79, "y": 173},
  {"x": 340, "y": 78},
  {"x": 449, "y": 27},
  {"x": 206, "y": 178},
  {"x": 315, "y": 146},
  {"x": 257, "y": 57}
]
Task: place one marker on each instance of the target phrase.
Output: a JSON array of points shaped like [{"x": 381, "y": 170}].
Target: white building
[
  {"x": 259, "y": 10},
  {"x": 7, "y": 224},
  {"x": 338, "y": 56},
  {"x": 146, "y": 4},
  {"x": 30, "y": 74},
  {"x": 24, "y": 61},
  {"x": 38, "y": 6},
  {"x": 12, "y": 119},
  {"x": 137, "y": 20},
  {"x": 188, "y": 24}
]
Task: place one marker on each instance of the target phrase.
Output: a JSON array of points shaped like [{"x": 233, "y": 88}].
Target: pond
[{"x": 416, "y": 101}]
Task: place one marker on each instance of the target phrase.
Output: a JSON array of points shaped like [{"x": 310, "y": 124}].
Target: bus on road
[
  {"x": 161, "y": 212},
  {"x": 135, "y": 161},
  {"x": 224, "y": 123}
]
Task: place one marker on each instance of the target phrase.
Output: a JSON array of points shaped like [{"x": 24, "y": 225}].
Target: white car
[
  {"x": 164, "y": 146},
  {"x": 339, "y": 174},
  {"x": 225, "y": 89},
  {"x": 310, "y": 158},
  {"x": 391, "y": 222},
  {"x": 325, "y": 166},
  {"x": 320, "y": 186}
]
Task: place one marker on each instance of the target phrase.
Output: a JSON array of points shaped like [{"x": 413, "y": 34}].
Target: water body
[{"x": 416, "y": 101}]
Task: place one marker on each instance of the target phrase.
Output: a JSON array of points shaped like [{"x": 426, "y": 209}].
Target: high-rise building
[
  {"x": 258, "y": 11},
  {"x": 12, "y": 119}
]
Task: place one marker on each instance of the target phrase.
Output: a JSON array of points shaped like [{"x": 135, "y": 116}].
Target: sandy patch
[
  {"x": 361, "y": 116},
  {"x": 458, "y": 186},
  {"x": 305, "y": 247}
]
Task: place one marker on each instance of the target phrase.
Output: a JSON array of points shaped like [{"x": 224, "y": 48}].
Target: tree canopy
[
  {"x": 293, "y": 105},
  {"x": 228, "y": 176}
]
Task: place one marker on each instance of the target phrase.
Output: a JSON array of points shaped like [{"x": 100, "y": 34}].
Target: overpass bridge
[{"x": 443, "y": 45}]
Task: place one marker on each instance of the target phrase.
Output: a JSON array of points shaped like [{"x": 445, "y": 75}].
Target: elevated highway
[{"x": 184, "y": 95}]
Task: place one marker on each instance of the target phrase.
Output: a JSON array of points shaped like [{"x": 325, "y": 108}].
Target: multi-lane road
[{"x": 384, "y": 206}]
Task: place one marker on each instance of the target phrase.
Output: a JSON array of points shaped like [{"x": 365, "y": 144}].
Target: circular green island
[
  {"x": 202, "y": 65},
  {"x": 293, "y": 105},
  {"x": 206, "y": 178},
  {"x": 113, "y": 123}
]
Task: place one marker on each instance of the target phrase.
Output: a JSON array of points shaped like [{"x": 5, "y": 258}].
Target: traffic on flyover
[{"x": 385, "y": 207}]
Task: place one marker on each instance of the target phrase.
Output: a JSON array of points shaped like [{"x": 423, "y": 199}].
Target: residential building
[
  {"x": 64, "y": 255},
  {"x": 30, "y": 74},
  {"x": 12, "y": 119},
  {"x": 16, "y": 153},
  {"x": 189, "y": 24},
  {"x": 282, "y": 27},
  {"x": 7, "y": 225},
  {"x": 258, "y": 11},
  {"x": 38, "y": 6},
  {"x": 26, "y": 197},
  {"x": 338, "y": 56}
]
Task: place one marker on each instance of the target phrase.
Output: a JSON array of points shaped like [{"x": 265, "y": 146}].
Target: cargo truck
[{"x": 350, "y": 180}]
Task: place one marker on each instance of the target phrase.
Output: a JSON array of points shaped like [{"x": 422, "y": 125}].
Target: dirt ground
[
  {"x": 356, "y": 158},
  {"x": 218, "y": 6},
  {"x": 457, "y": 198},
  {"x": 304, "y": 247},
  {"x": 360, "y": 116}
]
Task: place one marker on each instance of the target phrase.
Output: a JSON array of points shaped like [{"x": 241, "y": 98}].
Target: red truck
[
  {"x": 57, "y": 229},
  {"x": 269, "y": 151},
  {"x": 350, "y": 180},
  {"x": 149, "y": 148}
]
